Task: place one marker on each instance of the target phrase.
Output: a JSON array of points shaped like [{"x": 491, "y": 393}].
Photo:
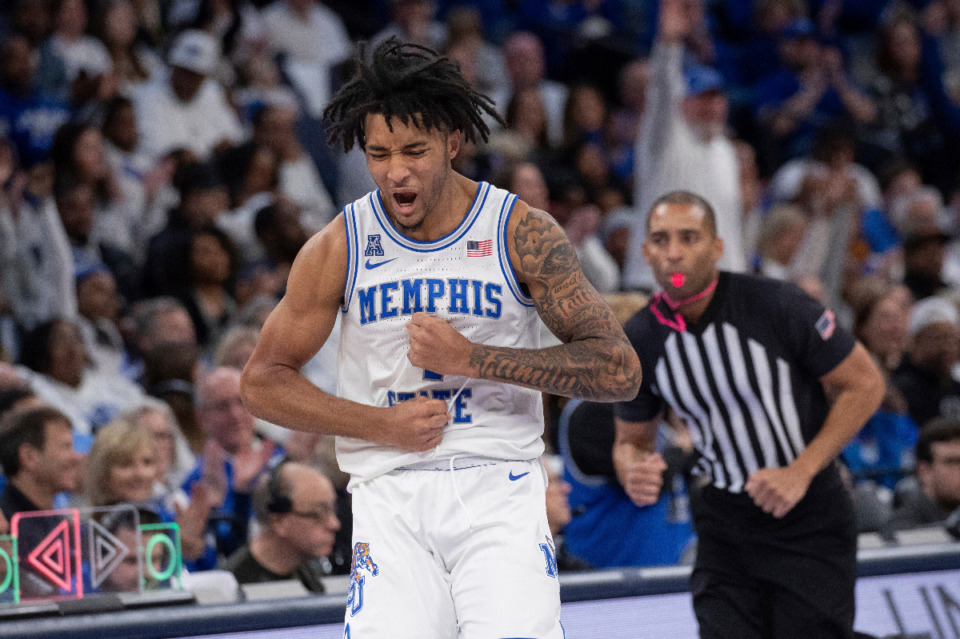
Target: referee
[{"x": 771, "y": 389}]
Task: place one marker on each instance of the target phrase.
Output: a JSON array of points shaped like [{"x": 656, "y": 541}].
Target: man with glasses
[{"x": 295, "y": 506}]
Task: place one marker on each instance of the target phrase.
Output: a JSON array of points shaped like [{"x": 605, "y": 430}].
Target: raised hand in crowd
[
  {"x": 193, "y": 517},
  {"x": 248, "y": 464}
]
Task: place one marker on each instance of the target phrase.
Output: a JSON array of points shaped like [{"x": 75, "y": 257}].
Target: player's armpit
[{"x": 596, "y": 360}]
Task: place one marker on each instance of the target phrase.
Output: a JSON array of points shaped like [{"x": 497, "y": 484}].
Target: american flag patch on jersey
[
  {"x": 481, "y": 248},
  {"x": 826, "y": 324}
]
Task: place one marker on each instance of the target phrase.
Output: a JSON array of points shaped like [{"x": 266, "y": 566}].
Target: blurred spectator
[
  {"x": 33, "y": 19},
  {"x": 412, "y": 21},
  {"x": 115, "y": 24},
  {"x": 122, "y": 465},
  {"x": 882, "y": 452},
  {"x": 78, "y": 155},
  {"x": 75, "y": 66},
  {"x": 924, "y": 376},
  {"x": 526, "y": 66},
  {"x": 916, "y": 118},
  {"x": 261, "y": 85},
  {"x": 583, "y": 230},
  {"x": 153, "y": 322},
  {"x": 881, "y": 316},
  {"x": 584, "y": 116},
  {"x": 761, "y": 38},
  {"x": 833, "y": 191},
  {"x": 98, "y": 305},
  {"x": 235, "y": 347},
  {"x": 174, "y": 457},
  {"x": 632, "y": 82},
  {"x": 275, "y": 126},
  {"x": 75, "y": 201},
  {"x": 281, "y": 236},
  {"x": 682, "y": 145},
  {"x": 780, "y": 237},
  {"x": 16, "y": 395},
  {"x": 47, "y": 288},
  {"x": 61, "y": 377},
  {"x": 830, "y": 160},
  {"x": 130, "y": 574},
  {"x": 170, "y": 373},
  {"x": 924, "y": 255},
  {"x": 211, "y": 271},
  {"x": 936, "y": 493},
  {"x": 233, "y": 457},
  {"x": 296, "y": 507},
  {"x": 878, "y": 230},
  {"x": 293, "y": 28},
  {"x": 38, "y": 458},
  {"x": 31, "y": 116},
  {"x": 141, "y": 181},
  {"x": 203, "y": 199},
  {"x": 185, "y": 108},
  {"x": 752, "y": 195},
  {"x": 809, "y": 90},
  {"x": 465, "y": 43},
  {"x": 122, "y": 469},
  {"x": 251, "y": 173},
  {"x": 568, "y": 28}
]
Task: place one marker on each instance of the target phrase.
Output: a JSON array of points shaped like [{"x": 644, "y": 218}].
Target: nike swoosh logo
[
  {"x": 520, "y": 476},
  {"x": 373, "y": 265}
]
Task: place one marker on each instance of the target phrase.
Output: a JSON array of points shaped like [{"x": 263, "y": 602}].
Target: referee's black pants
[{"x": 758, "y": 577}]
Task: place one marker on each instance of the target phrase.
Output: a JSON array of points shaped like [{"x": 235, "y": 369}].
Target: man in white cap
[
  {"x": 924, "y": 378},
  {"x": 682, "y": 146},
  {"x": 186, "y": 108}
]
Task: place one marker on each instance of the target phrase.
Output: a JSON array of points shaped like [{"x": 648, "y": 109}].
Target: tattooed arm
[{"x": 596, "y": 361}]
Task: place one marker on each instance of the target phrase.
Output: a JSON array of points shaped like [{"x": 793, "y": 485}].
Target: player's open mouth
[
  {"x": 677, "y": 279},
  {"x": 405, "y": 199}
]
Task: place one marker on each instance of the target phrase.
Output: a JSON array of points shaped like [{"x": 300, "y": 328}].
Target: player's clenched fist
[
  {"x": 436, "y": 346},
  {"x": 642, "y": 479},
  {"x": 416, "y": 424}
]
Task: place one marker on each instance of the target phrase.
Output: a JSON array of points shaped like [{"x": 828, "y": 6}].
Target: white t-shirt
[{"x": 166, "y": 123}]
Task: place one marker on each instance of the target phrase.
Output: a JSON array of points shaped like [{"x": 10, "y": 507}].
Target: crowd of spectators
[{"x": 163, "y": 161}]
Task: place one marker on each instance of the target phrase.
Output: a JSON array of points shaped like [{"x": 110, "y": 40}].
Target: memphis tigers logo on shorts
[{"x": 362, "y": 563}]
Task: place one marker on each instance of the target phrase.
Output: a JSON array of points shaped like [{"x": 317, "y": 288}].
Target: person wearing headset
[{"x": 295, "y": 506}]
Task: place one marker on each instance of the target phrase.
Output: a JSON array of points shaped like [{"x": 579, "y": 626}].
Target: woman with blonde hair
[{"x": 122, "y": 468}]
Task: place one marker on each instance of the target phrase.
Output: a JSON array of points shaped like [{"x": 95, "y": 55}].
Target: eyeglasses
[{"x": 325, "y": 512}]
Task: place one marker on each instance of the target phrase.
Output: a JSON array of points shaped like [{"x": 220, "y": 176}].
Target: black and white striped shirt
[{"x": 745, "y": 377}]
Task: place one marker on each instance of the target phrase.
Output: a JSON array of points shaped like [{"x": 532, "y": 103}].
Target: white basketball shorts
[{"x": 454, "y": 554}]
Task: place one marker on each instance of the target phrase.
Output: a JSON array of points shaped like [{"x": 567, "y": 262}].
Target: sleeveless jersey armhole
[
  {"x": 506, "y": 209},
  {"x": 353, "y": 254}
]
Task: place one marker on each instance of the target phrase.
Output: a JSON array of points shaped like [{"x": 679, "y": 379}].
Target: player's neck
[{"x": 453, "y": 205}]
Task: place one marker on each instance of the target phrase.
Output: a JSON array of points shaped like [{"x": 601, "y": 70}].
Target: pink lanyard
[{"x": 677, "y": 322}]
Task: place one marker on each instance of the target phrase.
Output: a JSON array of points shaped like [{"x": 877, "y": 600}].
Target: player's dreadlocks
[{"x": 410, "y": 83}]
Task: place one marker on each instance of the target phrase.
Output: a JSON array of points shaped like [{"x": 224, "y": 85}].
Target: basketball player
[
  {"x": 772, "y": 390},
  {"x": 439, "y": 281}
]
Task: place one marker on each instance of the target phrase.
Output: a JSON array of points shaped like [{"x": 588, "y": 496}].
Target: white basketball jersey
[{"x": 464, "y": 277}]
